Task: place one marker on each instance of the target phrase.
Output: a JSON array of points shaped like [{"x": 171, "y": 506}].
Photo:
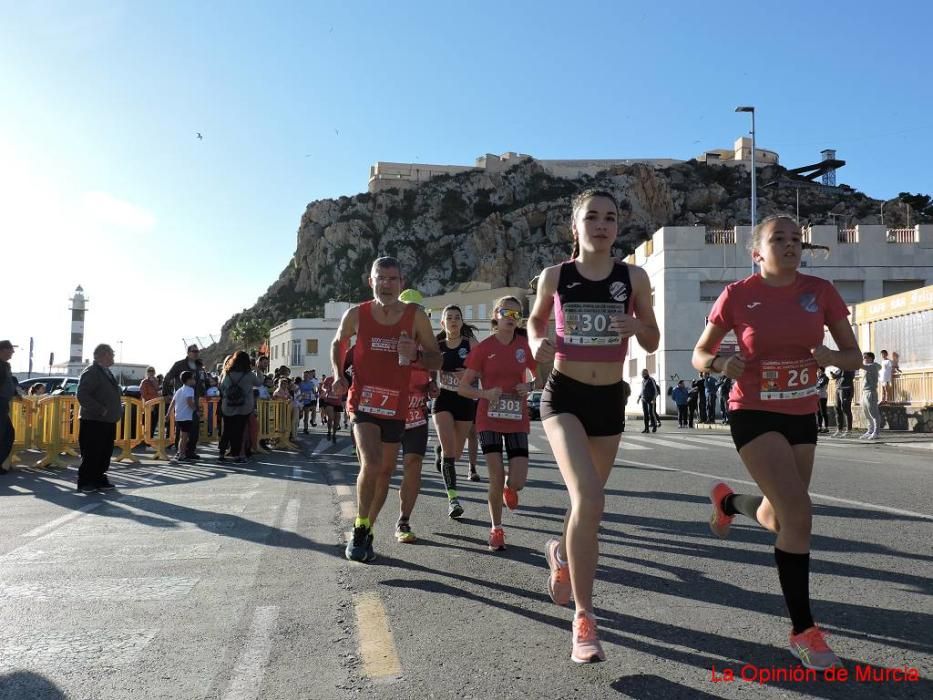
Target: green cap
[{"x": 411, "y": 296}]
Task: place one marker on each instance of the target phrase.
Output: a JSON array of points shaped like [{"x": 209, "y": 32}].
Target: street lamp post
[{"x": 754, "y": 205}]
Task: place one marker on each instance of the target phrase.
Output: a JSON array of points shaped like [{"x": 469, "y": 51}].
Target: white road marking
[
  {"x": 832, "y": 499},
  {"x": 346, "y": 450},
  {"x": 656, "y": 441},
  {"x": 626, "y": 445},
  {"x": 290, "y": 518},
  {"x": 348, "y": 510},
  {"x": 335, "y": 475},
  {"x": 343, "y": 490},
  {"x": 246, "y": 679},
  {"x": 67, "y": 518},
  {"x": 321, "y": 447}
]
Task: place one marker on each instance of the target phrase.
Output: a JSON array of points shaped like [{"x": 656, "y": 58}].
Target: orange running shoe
[
  {"x": 496, "y": 539},
  {"x": 558, "y": 582},
  {"x": 811, "y": 648},
  {"x": 510, "y": 498},
  {"x": 586, "y": 646},
  {"x": 719, "y": 522}
]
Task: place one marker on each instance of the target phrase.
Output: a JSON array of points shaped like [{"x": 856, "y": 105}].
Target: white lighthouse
[{"x": 75, "y": 355}]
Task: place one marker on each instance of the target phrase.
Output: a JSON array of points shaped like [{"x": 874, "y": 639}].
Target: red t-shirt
[
  {"x": 502, "y": 366},
  {"x": 777, "y": 328},
  {"x": 417, "y": 398}
]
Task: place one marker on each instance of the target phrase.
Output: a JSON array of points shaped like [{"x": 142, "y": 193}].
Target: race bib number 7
[
  {"x": 588, "y": 324},
  {"x": 378, "y": 401},
  {"x": 508, "y": 407},
  {"x": 782, "y": 380}
]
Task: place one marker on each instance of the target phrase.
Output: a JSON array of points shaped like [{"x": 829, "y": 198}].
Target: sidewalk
[{"x": 899, "y": 438}]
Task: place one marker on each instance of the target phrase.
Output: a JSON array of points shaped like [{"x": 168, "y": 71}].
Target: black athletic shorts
[
  {"x": 184, "y": 426},
  {"x": 516, "y": 444},
  {"x": 390, "y": 430},
  {"x": 599, "y": 408},
  {"x": 415, "y": 440},
  {"x": 746, "y": 425},
  {"x": 462, "y": 408}
]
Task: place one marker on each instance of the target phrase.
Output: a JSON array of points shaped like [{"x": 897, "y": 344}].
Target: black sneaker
[
  {"x": 370, "y": 554},
  {"x": 454, "y": 509},
  {"x": 86, "y": 488},
  {"x": 437, "y": 458},
  {"x": 105, "y": 485},
  {"x": 359, "y": 544},
  {"x": 474, "y": 475}
]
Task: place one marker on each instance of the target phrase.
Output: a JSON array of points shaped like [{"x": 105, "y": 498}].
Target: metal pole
[
  {"x": 798, "y": 205},
  {"x": 882, "y": 213},
  {"x": 754, "y": 190}
]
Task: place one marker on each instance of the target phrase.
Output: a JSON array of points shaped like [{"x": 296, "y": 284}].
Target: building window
[
  {"x": 890, "y": 287},
  {"x": 651, "y": 364},
  {"x": 481, "y": 313},
  {"x": 633, "y": 367},
  {"x": 297, "y": 359},
  {"x": 710, "y": 291},
  {"x": 275, "y": 352},
  {"x": 851, "y": 291},
  {"x": 311, "y": 346},
  {"x": 468, "y": 313}
]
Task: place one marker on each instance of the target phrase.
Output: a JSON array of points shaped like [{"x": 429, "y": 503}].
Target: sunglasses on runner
[{"x": 509, "y": 313}]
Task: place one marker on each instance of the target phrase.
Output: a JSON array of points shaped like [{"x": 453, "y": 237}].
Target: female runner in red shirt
[{"x": 778, "y": 316}]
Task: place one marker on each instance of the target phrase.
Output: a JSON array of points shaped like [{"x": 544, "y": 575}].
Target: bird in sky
[{"x": 198, "y": 134}]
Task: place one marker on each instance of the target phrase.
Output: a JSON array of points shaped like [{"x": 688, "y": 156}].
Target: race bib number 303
[
  {"x": 508, "y": 407},
  {"x": 450, "y": 381},
  {"x": 588, "y": 324},
  {"x": 782, "y": 380},
  {"x": 378, "y": 401}
]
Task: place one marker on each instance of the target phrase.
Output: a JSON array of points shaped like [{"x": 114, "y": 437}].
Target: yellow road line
[{"x": 377, "y": 647}]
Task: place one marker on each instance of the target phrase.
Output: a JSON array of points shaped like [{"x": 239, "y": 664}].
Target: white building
[
  {"x": 304, "y": 343},
  {"x": 689, "y": 266}
]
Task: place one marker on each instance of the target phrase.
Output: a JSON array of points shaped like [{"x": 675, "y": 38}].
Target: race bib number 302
[
  {"x": 378, "y": 401},
  {"x": 782, "y": 380},
  {"x": 588, "y": 324},
  {"x": 508, "y": 407}
]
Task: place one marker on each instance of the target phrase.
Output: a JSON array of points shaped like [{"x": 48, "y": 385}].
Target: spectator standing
[
  {"x": 822, "y": 388},
  {"x": 845, "y": 387},
  {"x": 648, "y": 396},
  {"x": 626, "y": 392},
  {"x": 870, "y": 372},
  {"x": 709, "y": 386},
  {"x": 150, "y": 389},
  {"x": 681, "y": 398},
  {"x": 184, "y": 406},
  {"x": 172, "y": 383},
  {"x": 693, "y": 401},
  {"x": 887, "y": 377},
  {"x": 8, "y": 386},
  {"x": 724, "y": 387},
  {"x": 99, "y": 398},
  {"x": 700, "y": 385},
  {"x": 238, "y": 403}
]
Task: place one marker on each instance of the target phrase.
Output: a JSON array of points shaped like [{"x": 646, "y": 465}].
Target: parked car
[
  {"x": 53, "y": 385},
  {"x": 132, "y": 391},
  {"x": 534, "y": 405}
]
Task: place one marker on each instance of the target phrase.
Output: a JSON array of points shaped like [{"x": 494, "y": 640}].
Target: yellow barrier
[{"x": 51, "y": 425}]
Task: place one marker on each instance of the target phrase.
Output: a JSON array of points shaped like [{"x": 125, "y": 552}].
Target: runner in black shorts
[
  {"x": 453, "y": 414},
  {"x": 599, "y": 303},
  {"x": 778, "y": 316},
  {"x": 414, "y": 448}
]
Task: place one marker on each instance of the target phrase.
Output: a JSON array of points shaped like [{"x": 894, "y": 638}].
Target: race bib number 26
[{"x": 782, "y": 380}]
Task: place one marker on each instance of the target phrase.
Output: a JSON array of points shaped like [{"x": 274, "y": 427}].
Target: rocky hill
[{"x": 502, "y": 228}]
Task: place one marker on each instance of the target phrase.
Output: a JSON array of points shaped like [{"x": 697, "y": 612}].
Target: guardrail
[
  {"x": 913, "y": 389},
  {"x": 50, "y": 425},
  {"x": 724, "y": 236},
  {"x": 901, "y": 235}
]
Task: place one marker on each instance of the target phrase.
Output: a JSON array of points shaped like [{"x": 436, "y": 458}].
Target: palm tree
[{"x": 250, "y": 332}]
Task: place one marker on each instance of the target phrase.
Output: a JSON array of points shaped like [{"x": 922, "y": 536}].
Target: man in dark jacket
[
  {"x": 101, "y": 409},
  {"x": 649, "y": 394},
  {"x": 8, "y": 386},
  {"x": 172, "y": 382}
]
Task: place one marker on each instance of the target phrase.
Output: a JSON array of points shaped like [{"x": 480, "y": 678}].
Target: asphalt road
[{"x": 228, "y": 581}]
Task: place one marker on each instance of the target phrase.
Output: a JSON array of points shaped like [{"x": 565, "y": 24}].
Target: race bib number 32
[
  {"x": 378, "y": 401},
  {"x": 782, "y": 380},
  {"x": 588, "y": 324},
  {"x": 508, "y": 407}
]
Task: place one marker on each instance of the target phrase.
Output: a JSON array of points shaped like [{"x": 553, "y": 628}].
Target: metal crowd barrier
[{"x": 50, "y": 425}]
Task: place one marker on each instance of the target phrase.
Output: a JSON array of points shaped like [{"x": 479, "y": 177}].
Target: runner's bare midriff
[{"x": 596, "y": 373}]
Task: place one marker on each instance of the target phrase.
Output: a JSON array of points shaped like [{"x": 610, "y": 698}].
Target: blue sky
[{"x": 103, "y": 183}]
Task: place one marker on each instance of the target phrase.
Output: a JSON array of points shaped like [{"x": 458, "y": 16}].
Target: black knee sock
[
  {"x": 449, "y": 471},
  {"x": 794, "y": 573},
  {"x": 740, "y": 503}
]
